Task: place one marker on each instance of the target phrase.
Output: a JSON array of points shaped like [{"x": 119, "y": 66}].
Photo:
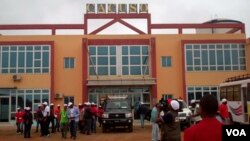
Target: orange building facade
[{"x": 145, "y": 67}]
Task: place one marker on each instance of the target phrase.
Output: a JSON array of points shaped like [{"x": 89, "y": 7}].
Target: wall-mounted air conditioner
[
  {"x": 17, "y": 77},
  {"x": 59, "y": 95}
]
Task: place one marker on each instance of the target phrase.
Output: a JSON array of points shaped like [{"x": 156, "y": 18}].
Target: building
[{"x": 145, "y": 67}]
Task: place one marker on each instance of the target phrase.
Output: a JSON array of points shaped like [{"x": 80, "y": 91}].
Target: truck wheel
[
  {"x": 130, "y": 128},
  {"x": 104, "y": 129}
]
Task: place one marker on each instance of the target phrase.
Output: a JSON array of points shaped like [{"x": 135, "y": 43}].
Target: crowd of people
[
  {"x": 164, "y": 118},
  {"x": 72, "y": 118},
  {"x": 204, "y": 120}
]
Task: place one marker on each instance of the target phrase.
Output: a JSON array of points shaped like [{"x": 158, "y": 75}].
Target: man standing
[
  {"x": 171, "y": 123},
  {"x": 39, "y": 117},
  {"x": 88, "y": 118},
  {"x": 155, "y": 119},
  {"x": 52, "y": 118},
  {"x": 209, "y": 128},
  {"x": 72, "y": 115},
  {"x": 46, "y": 119},
  {"x": 28, "y": 121},
  {"x": 142, "y": 110}
]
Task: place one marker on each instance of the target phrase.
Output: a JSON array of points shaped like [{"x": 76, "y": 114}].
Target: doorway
[{"x": 4, "y": 109}]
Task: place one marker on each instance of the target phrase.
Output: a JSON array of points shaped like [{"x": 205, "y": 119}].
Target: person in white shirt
[{"x": 46, "y": 113}]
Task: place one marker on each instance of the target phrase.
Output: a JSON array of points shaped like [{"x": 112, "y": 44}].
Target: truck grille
[
  {"x": 114, "y": 116},
  {"x": 182, "y": 114}
]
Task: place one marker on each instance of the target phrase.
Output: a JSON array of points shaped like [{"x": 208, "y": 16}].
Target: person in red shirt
[
  {"x": 94, "y": 111},
  {"x": 209, "y": 128},
  {"x": 19, "y": 121},
  {"x": 223, "y": 111},
  {"x": 58, "y": 117},
  {"x": 99, "y": 115}
]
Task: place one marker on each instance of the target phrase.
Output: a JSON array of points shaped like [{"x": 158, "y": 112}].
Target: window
[
  {"x": 197, "y": 92},
  {"x": 118, "y": 60},
  {"x": 214, "y": 57},
  {"x": 27, "y": 97},
  {"x": 24, "y": 58},
  {"x": 68, "y": 99},
  {"x": 102, "y": 60},
  {"x": 69, "y": 62},
  {"x": 166, "y": 61},
  {"x": 167, "y": 96},
  {"x": 135, "y": 60}
]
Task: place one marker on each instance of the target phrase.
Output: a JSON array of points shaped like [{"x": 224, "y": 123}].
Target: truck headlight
[
  {"x": 105, "y": 115},
  {"x": 128, "y": 115}
]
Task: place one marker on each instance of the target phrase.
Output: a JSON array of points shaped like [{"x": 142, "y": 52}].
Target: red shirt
[
  {"x": 94, "y": 110},
  {"x": 209, "y": 129},
  {"x": 19, "y": 117},
  {"x": 57, "y": 113},
  {"x": 100, "y": 112},
  {"x": 223, "y": 109}
]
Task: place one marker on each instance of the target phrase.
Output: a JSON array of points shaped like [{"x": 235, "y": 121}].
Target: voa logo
[{"x": 236, "y": 132}]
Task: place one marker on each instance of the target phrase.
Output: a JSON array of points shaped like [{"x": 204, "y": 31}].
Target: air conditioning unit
[
  {"x": 16, "y": 77},
  {"x": 58, "y": 96}
]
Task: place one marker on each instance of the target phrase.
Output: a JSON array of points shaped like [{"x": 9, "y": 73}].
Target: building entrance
[
  {"x": 135, "y": 94},
  {"x": 4, "y": 109}
]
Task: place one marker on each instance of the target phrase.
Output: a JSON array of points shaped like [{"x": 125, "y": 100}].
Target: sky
[{"x": 162, "y": 11}]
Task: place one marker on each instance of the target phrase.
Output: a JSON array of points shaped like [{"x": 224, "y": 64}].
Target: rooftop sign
[{"x": 116, "y": 8}]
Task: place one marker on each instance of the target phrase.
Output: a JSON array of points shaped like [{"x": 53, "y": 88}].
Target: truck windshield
[{"x": 117, "y": 105}]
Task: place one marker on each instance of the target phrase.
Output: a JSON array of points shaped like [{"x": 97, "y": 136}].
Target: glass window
[
  {"x": 135, "y": 60},
  {"x": 46, "y": 59},
  {"x": 135, "y": 70},
  {"x": 112, "y": 60},
  {"x": 144, "y": 50},
  {"x": 13, "y": 103},
  {"x": 166, "y": 61},
  {"x": 102, "y": 60},
  {"x": 235, "y": 57},
  {"x": 5, "y": 59},
  {"x": 111, "y": 57},
  {"x": 125, "y": 71},
  {"x": 21, "y": 59},
  {"x": 29, "y": 100},
  {"x": 102, "y": 50},
  {"x": 13, "y": 59},
  {"x": 219, "y": 57},
  {"x": 69, "y": 62},
  {"x": 103, "y": 71},
  {"x": 204, "y": 57},
  {"x": 134, "y": 50},
  {"x": 189, "y": 57},
  {"x": 124, "y": 50},
  {"x": 92, "y": 50},
  {"x": 215, "y": 57},
  {"x": 112, "y": 51},
  {"x": 227, "y": 57}
]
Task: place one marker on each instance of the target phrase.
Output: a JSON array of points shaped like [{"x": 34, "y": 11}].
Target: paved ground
[{"x": 7, "y": 133}]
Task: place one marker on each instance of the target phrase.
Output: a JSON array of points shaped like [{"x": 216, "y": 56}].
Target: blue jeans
[{"x": 142, "y": 117}]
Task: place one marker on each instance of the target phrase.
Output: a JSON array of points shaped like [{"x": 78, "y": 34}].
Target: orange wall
[{"x": 28, "y": 81}]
